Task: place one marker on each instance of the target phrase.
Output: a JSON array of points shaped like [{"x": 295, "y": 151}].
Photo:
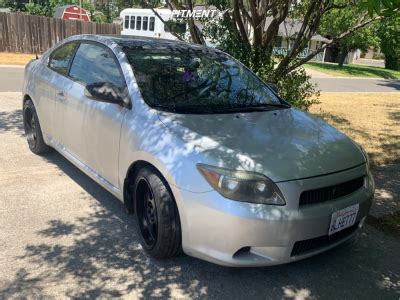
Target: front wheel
[
  {"x": 32, "y": 128},
  {"x": 156, "y": 215}
]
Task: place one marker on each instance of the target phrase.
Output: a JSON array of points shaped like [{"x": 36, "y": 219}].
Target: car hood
[{"x": 283, "y": 144}]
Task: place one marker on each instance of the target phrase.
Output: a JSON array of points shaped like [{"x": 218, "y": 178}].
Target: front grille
[
  {"x": 331, "y": 192},
  {"x": 303, "y": 247}
]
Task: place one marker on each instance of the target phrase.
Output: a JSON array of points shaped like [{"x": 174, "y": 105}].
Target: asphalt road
[
  {"x": 11, "y": 80},
  {"x": 357, "y": 85},
  {"x": 62, "y": 235}
]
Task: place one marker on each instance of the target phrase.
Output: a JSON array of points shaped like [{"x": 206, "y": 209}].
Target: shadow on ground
[
  {"x": 395, "y": 84},
  {"x": 11, "y": 121},
  {"x": 387, "y": 193},
  {"x": 105, "y": 260}
]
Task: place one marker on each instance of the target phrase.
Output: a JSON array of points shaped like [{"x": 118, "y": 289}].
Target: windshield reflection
[{"x": 192, "y": 80}]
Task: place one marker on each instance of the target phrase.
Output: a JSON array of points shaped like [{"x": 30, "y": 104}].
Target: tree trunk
[{"x": 342, "y": 57}]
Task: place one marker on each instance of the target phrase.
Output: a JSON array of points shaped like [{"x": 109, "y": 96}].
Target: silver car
[{"x": 208, "y": 158}]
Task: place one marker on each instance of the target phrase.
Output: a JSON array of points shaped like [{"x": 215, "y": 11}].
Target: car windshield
[{"x": 198, "y": 80}]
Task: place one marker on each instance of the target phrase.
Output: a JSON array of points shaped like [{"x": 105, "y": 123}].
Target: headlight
[{"x": 242, "y": 185}]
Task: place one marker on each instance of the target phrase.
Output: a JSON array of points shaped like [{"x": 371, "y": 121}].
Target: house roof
[{"x": 290, "y": 28}]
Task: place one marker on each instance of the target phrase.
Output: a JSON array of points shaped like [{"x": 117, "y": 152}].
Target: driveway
[
  {"x": 61, "y": 235},
  {"x": 11, "y": 78}
]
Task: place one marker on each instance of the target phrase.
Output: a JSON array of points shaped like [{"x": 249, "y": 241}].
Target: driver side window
[
  {"x": 60, "y": 58},
  {"x": 94, "y": 64}
]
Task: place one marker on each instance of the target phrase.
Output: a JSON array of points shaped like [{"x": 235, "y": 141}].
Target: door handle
[{"x": 60, "y": 95}]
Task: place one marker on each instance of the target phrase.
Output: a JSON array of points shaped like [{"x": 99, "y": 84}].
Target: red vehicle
[{"x": 72, "y": 12}]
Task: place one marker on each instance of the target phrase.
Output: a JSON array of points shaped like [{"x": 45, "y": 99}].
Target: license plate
[{"x": 343, "y": 218}]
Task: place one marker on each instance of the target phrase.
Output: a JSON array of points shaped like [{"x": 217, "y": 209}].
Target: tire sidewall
[
  {"x": 29, "y": 105},
  {"x": 40, "y": 146},
  {"x": 167, "y": 212}
]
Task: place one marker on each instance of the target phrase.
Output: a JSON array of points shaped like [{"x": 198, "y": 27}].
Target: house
[
  {"x": 72, "y": 12},
  {"x": 287, "y": 34}
]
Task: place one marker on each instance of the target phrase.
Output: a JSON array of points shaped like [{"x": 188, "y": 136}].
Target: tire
[
  {"x": 33, "y": 131},
  {"x": 157, "y": 216}
]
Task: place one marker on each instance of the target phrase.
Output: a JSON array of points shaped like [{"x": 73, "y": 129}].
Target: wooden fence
[{"x": 35, "y": 34}]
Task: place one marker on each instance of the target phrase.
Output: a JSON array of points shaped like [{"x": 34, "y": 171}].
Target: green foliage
[
  {"x": 40, "y": 9},
  {"x": 295, "y": 87},
  {"x": 176, "y": 27},
  {"x": 389, "y": 32},
  {"x": 381, "y": 7},
  {"x": 337, "y": 21},
  {"x": 47, "y": 8}
]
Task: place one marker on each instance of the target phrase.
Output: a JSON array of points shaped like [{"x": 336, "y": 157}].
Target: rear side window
[
  {"x": 126, "y": 23},
  {"x": 59, "y": 59},
  {"x": 145, "y": 22},
  {"x": 93, "y": 64},
  {"x": 132, "y": 22},
  {"x": 151, "y": 25}
]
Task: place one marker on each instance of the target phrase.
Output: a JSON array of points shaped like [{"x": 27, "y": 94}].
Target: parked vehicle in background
[
  {"x": 143, "y": 22},
  {"x": 206, "y": 155}
]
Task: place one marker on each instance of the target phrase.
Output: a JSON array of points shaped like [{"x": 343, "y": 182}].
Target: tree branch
[
  {"x": 163, "y": 21},
  {"x": 239, "y": 21},
  {"x": 334, "y": 40}
]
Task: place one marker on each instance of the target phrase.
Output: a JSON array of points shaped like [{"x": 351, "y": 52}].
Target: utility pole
[{"x": 80, "y": 9}]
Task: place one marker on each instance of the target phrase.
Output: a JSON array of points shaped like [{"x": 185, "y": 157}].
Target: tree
[
  {"x": 337, "y": 21},
  {"x": 245, "y": 33},
  {"x": 45, "y": 7},
  {"x": 381, "y": 7},
  {"x": 389, "y": 33}
]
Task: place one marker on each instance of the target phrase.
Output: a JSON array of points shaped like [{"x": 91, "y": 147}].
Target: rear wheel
[
  {"x": 32, "y": 128},
  {"x": 156, "y": 215}
]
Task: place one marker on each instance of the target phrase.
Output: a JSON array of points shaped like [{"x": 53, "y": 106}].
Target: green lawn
[{"x": 353, "y": 70}]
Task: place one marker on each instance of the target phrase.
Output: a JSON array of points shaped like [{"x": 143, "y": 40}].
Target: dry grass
[
  {"x": 371, "y": 119},
  {"x": 15, "y": 58}
]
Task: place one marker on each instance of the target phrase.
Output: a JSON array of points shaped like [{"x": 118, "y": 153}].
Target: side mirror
[
  {"x": 106, "y": 92},
  {"x": 274, "y": 87}
]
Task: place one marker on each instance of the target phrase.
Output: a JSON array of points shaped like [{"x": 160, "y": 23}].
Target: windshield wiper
[
  {"x": 255, "y": 108},
  {"x": 194, "y": 109},
  {"x": 170, "y": 108},
  {"x": 277, "y": 105},
  {"x": 202, "y": 109}
]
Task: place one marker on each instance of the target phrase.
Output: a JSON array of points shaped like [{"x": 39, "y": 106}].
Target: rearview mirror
[
  {"x": 274, "y": 87},
  {"x": 105, "y": 92}
]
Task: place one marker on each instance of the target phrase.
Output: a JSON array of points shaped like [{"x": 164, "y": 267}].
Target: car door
[
  {"x": 98, "y": 123},
  {"x": 51, "y": 81}
]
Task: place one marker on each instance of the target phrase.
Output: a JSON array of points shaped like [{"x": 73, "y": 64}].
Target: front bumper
[{"x": 239, "y": 234}]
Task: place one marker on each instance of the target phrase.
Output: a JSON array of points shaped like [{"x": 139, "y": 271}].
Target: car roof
[{"x": 136, "y": 41}]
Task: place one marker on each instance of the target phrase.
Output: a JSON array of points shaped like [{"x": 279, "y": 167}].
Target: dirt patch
[{"x": 15, "y": 58}]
